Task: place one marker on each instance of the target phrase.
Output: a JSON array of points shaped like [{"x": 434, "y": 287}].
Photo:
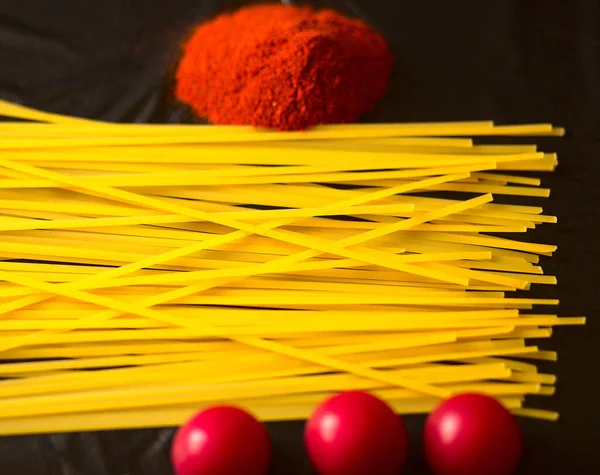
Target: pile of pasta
[{"x": 148, "y": 271}]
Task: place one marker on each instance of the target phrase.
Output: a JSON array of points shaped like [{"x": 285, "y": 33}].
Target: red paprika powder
[{"x": 283, "y": 67}]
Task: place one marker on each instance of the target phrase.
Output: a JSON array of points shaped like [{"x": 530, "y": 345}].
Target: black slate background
[{"x": 510, "y": 61}]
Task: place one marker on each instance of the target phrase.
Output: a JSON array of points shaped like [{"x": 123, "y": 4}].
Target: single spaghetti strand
[
  {"x": 169, "y": 417},
  {"x": 9, "y": 109},
  {"x": 249, "y": 176},
  {"x": 35, "y": 224},
  {"x": 330, "y": 132}
]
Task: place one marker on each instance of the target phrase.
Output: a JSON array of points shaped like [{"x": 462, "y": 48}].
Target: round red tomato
[
  {"x": 472, "y": 434},
  {"x": 221, "y": 440},
  {"x": 355, "y": 433}
]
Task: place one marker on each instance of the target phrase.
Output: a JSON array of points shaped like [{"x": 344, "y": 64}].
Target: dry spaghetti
[{"x": 194, "y": 265}]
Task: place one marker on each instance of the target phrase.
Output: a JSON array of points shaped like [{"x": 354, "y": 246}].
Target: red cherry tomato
[
  {"x": 354, "y": 433},
  {"x": 221, "y": 440},
  {"x": 472, "y": 434}
]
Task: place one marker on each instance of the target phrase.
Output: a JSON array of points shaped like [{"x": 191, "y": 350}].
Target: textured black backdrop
[{"x": 510, "y": 61}]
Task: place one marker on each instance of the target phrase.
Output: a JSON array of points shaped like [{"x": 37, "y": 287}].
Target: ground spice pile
[{"x": 283, "y": 67}]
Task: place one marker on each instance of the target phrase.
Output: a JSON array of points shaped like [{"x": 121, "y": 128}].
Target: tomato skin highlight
[
  {"x": 221, "y": 440},
  {"x": 472, "y": 434},
  {"x": 355, "y": 433}
]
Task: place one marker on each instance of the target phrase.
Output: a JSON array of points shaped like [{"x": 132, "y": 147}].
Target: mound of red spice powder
[{"x": 283, "y": 67}]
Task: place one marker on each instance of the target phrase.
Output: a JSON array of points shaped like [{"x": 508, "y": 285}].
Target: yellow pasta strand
[{"x": 192, "y": 265}]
